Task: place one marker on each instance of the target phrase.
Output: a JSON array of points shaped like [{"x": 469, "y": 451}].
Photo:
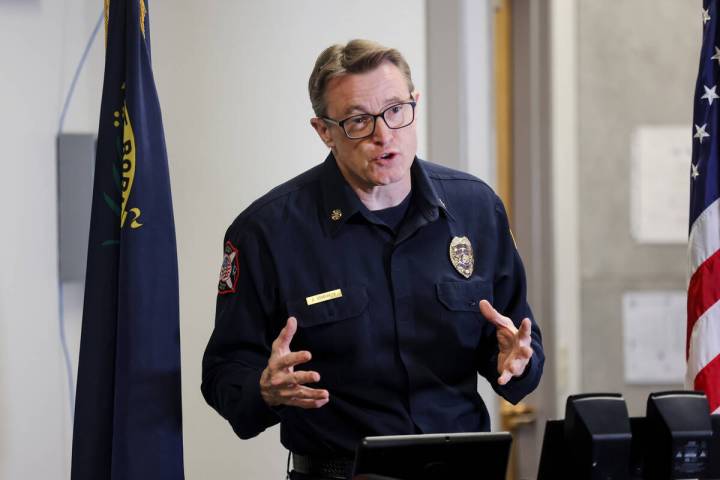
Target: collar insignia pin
[
  {"x": 461, "y": 256},
  {"x": 336, "y": 215}
]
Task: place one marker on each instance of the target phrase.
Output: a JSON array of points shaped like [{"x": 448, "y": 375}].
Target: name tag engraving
[{"x": 324, "y": 297}]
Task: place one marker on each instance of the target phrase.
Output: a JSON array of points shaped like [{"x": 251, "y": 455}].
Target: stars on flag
[
  {"x": 717, "y": 55},
  {"x": 710, "y": 94},
  {"x": 700, "y": 132}
]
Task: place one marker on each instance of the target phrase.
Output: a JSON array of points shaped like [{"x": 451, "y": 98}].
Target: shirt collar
[
  {"x": 340, "y": 203},
  {"x": 429, "y": 202}
]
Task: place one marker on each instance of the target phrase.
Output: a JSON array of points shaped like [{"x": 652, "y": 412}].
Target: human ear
[{"x": 323, "y": 131}]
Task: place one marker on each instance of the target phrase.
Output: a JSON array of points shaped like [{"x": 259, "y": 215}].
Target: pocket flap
[
  {"x": 464, "y": 296},
  {"x": 353, "y": 302}
]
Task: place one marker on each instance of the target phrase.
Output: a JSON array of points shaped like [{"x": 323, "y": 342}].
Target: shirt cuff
[{"x": 252, "y": 409}]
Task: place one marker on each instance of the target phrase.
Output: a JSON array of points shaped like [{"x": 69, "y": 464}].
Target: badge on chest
[{"x": 461, "y": 256}]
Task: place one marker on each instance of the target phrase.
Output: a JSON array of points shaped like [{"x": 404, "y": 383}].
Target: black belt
[{"x": 331, "y": 468}]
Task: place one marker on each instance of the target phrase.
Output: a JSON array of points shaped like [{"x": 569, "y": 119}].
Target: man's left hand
[{"x": 515, "y": 350}]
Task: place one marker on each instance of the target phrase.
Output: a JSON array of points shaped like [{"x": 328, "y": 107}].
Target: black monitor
[
  {"x": 678, "y": 435},
  {"x": 714, "y": 467},
  {"x": 593, "y": 442},
  {"x": 597, "y": 430},
  {"x": 677, "y": 439},
  {"x": 434, "y": 456},
  {"x": 553, "y": 456}
]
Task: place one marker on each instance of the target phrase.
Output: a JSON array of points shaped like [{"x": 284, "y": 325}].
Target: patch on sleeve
[{"x": 229, "y": 271}]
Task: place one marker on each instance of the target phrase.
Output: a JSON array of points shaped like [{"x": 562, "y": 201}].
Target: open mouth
[{"x": 386, "y": 156}]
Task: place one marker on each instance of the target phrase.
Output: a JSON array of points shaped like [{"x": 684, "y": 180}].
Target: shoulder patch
[{"x": 230, "y": 270}]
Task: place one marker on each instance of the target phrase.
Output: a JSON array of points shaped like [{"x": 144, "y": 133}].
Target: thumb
[
  {"x": 287, "y": 334},
  {"x": 488, "y": 310},
  {"x": 493, "y": 316}
]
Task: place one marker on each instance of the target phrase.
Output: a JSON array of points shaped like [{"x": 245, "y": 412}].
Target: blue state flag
[{"x": 128, "y": 415}]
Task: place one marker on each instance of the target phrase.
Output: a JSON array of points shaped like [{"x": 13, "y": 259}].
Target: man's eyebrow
[
  {"x": 359, "y": 108},
  {"x": 354, "y": 108}
]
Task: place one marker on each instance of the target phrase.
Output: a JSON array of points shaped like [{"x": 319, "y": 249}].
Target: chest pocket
[
  {"x": 353, "y": 302},
  {"x": 464, "y": 296},
  {"x": 462, "y": 323},
  {"x": 337, "y": 334}
]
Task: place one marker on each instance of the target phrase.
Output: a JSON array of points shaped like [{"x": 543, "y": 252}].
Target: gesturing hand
[
  {"x": 280, "y": 384},
  {"x": 515, "y": 350}
]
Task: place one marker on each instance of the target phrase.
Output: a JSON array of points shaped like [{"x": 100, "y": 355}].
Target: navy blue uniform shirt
[{"x": 400, "y": 350}]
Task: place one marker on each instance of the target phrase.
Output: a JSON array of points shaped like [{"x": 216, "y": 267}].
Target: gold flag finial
[
  {"x": 143, "y": 12},
  {"x": 107, "y": 19}
]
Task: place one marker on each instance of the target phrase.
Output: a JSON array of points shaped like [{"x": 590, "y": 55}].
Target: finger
[
  {"x": 281, "y": 380},
  {"x": 306, "y": 393},
  {"x": 307, "y": 404},
  {"x": 505, "y": 377},
  {"x": 302, "y": 377},
  {"x": 525, "y": 328},
  {"x": 494, "y": 317},
  {"x": 295, "y": 378},
  {"x": 291, "y": 359},
  {"x": 518, "y": 366},
  {"x": 526, "y": 352},
  {"x": 282, "y": 342}
]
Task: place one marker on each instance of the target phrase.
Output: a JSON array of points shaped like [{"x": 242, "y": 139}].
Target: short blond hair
[{"x": 357, "y": 56}]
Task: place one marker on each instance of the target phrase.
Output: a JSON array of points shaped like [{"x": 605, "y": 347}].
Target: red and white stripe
[{"x": 703, "y": 306}]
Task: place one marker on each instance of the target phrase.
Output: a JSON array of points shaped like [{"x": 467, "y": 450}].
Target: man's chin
[
  {"x": 384, "y": 181},
  {"x": 385, "y": 178}
]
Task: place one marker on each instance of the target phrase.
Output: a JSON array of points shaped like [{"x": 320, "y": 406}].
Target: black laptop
[{"x": 481, "y": 456}]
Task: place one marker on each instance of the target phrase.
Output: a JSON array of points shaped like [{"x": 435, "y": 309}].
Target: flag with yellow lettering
[{"x": 128, "y": 410}]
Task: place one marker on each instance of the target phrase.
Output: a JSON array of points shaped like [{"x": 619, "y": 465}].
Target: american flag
[{"x": 703, "y": 301}]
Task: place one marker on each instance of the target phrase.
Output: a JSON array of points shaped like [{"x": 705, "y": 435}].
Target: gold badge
[
  {"x": 461, "y": 256},
  {"x": 336, "y": 214}
]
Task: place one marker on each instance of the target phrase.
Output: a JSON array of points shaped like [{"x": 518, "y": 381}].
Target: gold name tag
[{"x": 324, "y": 297}]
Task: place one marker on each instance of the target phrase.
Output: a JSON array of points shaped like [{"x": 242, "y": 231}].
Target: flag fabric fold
[
  {"x": 703, "y": 302},
  {"x": 128, "y": 411}
]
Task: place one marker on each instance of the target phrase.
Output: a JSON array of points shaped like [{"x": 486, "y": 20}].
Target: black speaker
[
  {"x": 553, "y": 456},
  {"x": 714, "y": 465},
  {"x": 598, "y": 436},
  {"x": 679, "y": 435}
]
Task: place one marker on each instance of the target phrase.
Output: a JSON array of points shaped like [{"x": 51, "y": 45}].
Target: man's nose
[{"x": 382, "y": 133}]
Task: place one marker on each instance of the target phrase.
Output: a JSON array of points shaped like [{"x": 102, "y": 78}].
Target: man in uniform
[{"x": 362, "y": 297}]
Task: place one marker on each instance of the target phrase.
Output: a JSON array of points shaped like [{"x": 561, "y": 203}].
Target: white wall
[{"x": 34, "y": 402}]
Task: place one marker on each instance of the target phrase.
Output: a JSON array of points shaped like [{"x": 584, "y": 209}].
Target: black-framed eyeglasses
[{"x": 396, "y": 116}]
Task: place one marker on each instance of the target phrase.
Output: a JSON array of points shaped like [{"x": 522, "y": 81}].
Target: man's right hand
[{"x": 280, "y": 384}]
